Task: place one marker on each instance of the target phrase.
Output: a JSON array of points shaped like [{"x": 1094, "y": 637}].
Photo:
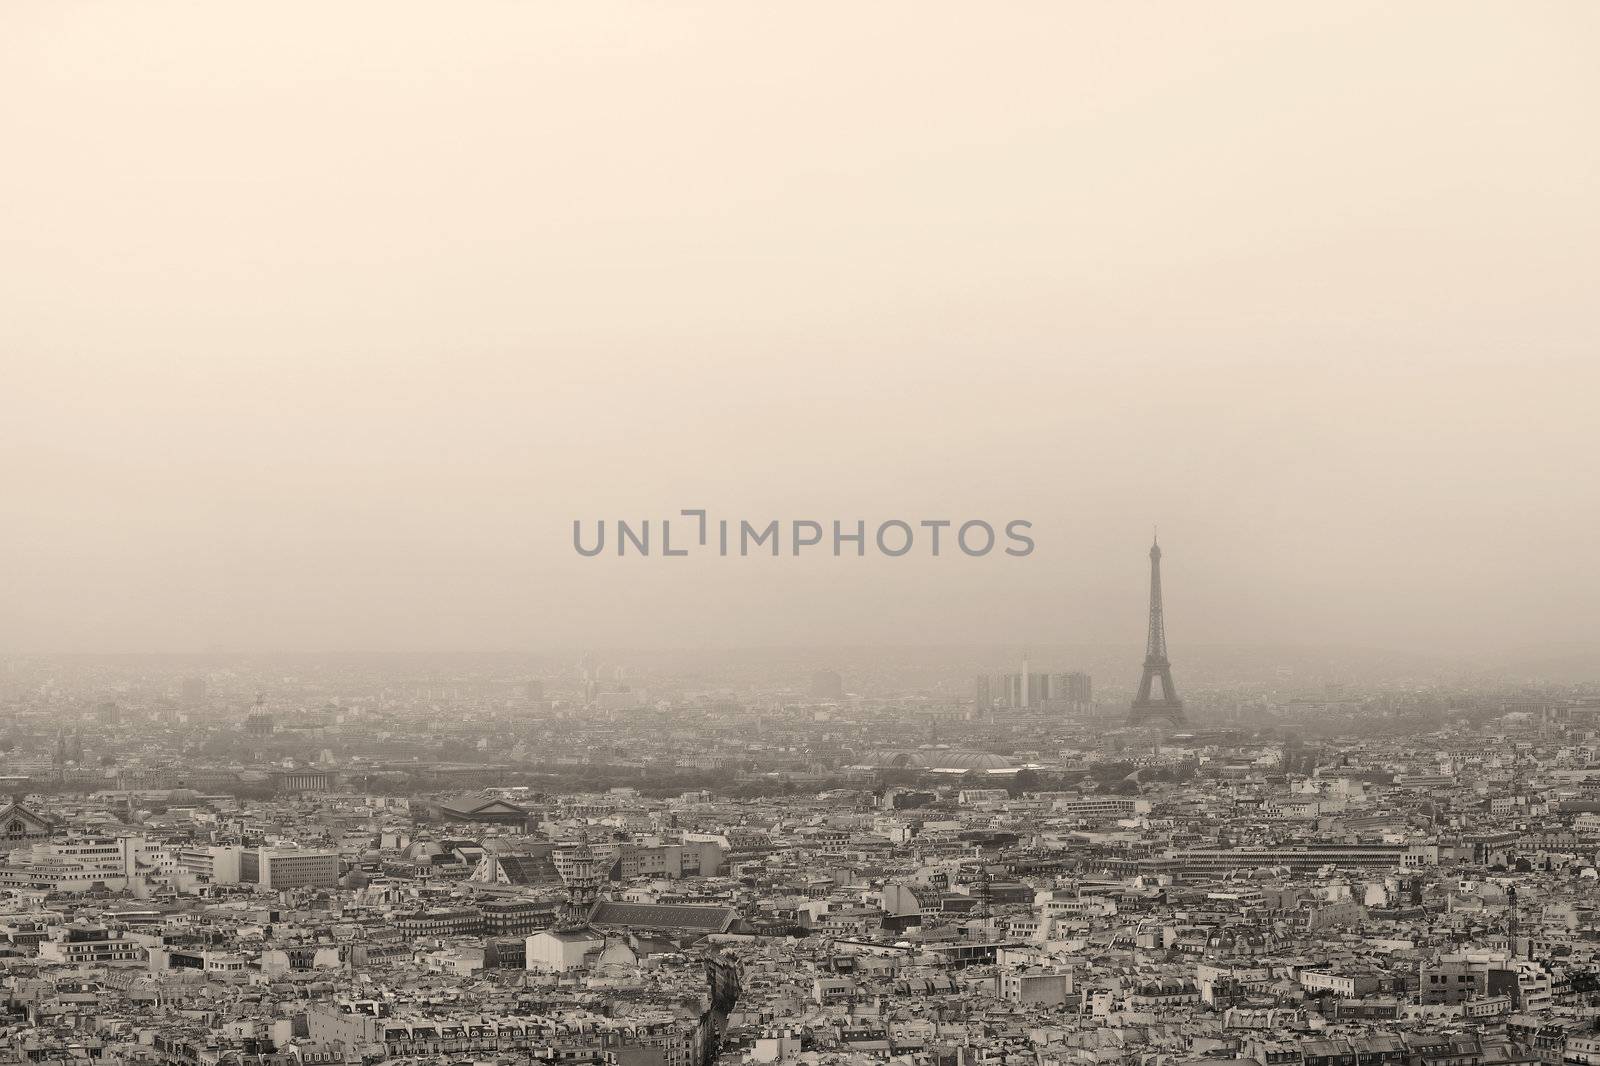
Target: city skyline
[{"x": 621, "y": 534}]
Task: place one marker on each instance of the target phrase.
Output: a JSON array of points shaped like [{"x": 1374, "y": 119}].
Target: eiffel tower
[{"x": 1146, "y": 708}]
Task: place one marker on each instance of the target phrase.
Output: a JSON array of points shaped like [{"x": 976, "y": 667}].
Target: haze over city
[
  {"x": 710, "y": 534},
  {"x": 321, "y": 326}
]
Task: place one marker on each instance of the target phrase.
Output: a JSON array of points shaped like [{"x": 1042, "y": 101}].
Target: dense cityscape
[
  {"x": 500, "y": 859},
  {"x": 928, "y": 533}
]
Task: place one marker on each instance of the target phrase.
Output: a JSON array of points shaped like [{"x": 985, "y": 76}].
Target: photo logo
[{"x": 697, "y": 533}]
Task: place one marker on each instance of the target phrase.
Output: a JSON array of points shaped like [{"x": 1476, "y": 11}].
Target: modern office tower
[
  {"x": 1031, "y": 690},
  {"x": 278, "y": 868},
  {"x": 1076, "y": 687}
]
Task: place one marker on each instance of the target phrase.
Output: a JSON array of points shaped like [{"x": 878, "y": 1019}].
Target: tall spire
[{"x": 1147, "y": 707}]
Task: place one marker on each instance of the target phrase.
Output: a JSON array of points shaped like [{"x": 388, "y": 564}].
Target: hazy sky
[{"x": 321, "y": 322}]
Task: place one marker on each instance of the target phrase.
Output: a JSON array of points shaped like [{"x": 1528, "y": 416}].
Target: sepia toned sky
[{"x": 320, "y": 323}]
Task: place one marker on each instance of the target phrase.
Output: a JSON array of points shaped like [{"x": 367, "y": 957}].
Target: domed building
[
  {"x": 424, "y": 850},
  {"x": 938, "y": 760},
  {"x": 962, "y": 761},
  {"x": 893, "y": 759}
]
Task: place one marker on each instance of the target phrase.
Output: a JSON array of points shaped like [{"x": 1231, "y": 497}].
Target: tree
[{"x": 1023, "y": 781}]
